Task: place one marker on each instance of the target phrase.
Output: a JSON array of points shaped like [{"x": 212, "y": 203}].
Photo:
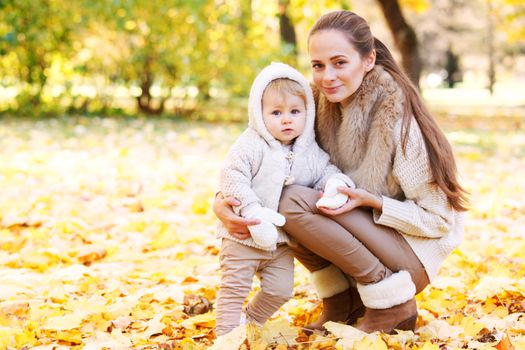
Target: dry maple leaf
[
  {"x": 91, "y": 254},
  {"x": 196, "y": 305}
]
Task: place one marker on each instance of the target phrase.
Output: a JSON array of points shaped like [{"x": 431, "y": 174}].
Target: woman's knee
[{"x": 297, "y": 199}]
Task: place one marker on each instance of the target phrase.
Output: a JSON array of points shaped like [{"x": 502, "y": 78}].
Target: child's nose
[{"x": 286, "y": 118}]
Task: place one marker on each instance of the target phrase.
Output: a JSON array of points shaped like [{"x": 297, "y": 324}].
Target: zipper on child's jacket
[{"x": 289, "y": 179}]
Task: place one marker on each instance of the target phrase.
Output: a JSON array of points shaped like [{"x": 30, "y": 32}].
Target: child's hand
[
  {"x": 265, "y": 234},
  {"x": 236, "y": 225},
  {"x": 332, "y": 198},
  {"x": 357, "y": 197}
]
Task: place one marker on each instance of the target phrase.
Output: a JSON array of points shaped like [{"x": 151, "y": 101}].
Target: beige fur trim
[
  {"x": 329, "y": 281},
  {"x": 393, "y": 290},
  {"x": 360, "y": 137}
]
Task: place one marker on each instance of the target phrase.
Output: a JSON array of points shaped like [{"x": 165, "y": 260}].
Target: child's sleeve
[
  {"x": 325, "y": 170},
  {"x": 241, "y": 164}
]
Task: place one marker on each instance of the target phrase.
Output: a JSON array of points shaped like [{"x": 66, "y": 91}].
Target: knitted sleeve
[
  {"x": 426, "y": 211},
  {"x": 240, "y": 166},
  {"x": 325, "y": 170}
]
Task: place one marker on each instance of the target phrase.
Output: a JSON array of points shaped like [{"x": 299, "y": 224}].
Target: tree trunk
[
  {"x": 246, "y": 16},
  {"x": 490, "y": 47},
  {"x": 145, "y": 100},
  {"x": 286, "y": 28},
  {"x": 204, "y": 90},
  {"x": 404, "y": 37},
  {"x": 34, "y": 76}
]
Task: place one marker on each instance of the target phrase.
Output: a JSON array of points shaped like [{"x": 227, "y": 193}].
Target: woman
[{"x": 404, "y": 217}]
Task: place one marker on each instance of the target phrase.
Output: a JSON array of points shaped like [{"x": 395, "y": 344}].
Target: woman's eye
[
  {"x": 317, "y": 66},
  {"x": 340, "y": 63}
]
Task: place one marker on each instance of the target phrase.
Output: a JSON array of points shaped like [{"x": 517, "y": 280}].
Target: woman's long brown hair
[{"x": 441, "y": 158}]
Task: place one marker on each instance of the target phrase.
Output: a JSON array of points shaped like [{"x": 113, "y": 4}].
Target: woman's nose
[{"x": 329, "y": 74}]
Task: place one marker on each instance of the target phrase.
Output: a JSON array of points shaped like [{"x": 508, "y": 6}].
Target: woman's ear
[{"x": 370, "y": 61}]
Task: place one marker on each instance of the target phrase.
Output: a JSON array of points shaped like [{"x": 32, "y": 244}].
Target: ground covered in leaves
[{"x": 107, "y": 241}]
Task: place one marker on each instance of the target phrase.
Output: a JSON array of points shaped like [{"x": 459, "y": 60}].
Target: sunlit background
[
  {"x": 116, "y": 116},
  {"x": 197, "y": 58}
]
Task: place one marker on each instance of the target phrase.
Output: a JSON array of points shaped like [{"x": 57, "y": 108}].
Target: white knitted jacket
[
  {"x": 364, "y": 141},
  {"x": 257, "y": 166}
]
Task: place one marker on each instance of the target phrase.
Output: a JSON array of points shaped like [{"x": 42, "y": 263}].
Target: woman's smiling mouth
[{"x": 331, "y": 90}]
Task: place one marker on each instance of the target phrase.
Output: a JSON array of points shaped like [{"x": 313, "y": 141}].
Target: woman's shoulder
[
  {"x": 413, "y": 128},
  {"x": 380, "y": 81},
  {"x": 414, "y": 137}
]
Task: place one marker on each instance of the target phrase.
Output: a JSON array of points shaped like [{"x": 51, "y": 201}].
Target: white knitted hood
[{"x": 274, "y": 71}]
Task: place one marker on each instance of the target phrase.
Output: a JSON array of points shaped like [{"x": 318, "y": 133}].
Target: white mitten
[
  {"x": 264, "y": 234},
  {"x": 332, "y": 199}
]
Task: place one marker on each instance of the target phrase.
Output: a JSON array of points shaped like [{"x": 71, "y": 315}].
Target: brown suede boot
[
  {"x": 403, "y": 317},
  {"x": 357, "y": 309},
  {"x": 343, "y": 307},
  {"x": 341, "y": 302},
  {"x": 390, "y": 304},
  {"x": 335, "y": 308}
]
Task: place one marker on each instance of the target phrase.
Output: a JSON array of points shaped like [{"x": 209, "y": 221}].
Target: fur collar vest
[{"x": 359, "y": 137}]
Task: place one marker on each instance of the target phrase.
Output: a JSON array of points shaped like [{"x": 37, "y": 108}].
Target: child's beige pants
[{"x": 239, "y": 263}]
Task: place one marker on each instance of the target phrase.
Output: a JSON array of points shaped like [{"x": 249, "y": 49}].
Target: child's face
[{"x": 284, "y": 115}]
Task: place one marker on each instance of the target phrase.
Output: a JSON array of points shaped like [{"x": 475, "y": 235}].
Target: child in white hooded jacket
[{"x": 277, "y": 149}]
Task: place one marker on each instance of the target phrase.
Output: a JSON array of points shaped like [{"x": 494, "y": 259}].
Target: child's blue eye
[
  {"x": 276, "y": 113},
  {"x": 295, "y": 111}
]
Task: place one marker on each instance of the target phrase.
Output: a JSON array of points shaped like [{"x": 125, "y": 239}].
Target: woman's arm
[
  {"x": 236, "y": 225},
  {"x": 425, "y": 211}
]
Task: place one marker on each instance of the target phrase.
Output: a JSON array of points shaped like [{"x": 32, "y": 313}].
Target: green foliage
[
  {"x": 169, "y": 56},
  {"x": 33, "y": 33},
  {"x": 511, "y": 14}
]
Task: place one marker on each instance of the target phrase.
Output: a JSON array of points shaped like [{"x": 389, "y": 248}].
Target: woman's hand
[
  {"x": 357, "y": 197},
  {"x": 236, "y": 225}
]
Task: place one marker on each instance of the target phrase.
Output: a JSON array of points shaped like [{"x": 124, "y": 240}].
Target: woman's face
[{"x": 337, "y": 67}]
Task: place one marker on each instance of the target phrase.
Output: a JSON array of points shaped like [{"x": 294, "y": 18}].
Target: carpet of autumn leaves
[{"x": 108, "y": 242}]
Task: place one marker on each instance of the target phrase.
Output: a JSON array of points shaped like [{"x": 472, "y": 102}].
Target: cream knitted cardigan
[
  {"x": 364, "y": 141},
  {"x": 257, "y": 166},
  {"x": 425, "y": 218}
]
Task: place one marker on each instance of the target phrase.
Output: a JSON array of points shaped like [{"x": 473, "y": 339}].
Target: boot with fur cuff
[
  {"x": 344, "y": 306},
  {"x": 390, "y": 304}
]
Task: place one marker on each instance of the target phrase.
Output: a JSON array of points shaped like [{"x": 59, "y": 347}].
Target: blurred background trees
[{"x": 182, "y": 56}]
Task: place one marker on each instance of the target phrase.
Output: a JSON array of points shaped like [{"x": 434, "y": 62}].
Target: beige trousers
[
  {"x": 239, "y": 263},
  {"x": 362, "y": 249}
]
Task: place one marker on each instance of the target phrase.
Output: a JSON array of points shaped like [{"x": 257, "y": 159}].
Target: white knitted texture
[
  {"x": 425, "y": 213},
  {"x": 394, "y": 290},
  {"x": 329, "y": 281},
  {"x": 264, "y": 234},
  {"x": 332, "y": 198}
]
